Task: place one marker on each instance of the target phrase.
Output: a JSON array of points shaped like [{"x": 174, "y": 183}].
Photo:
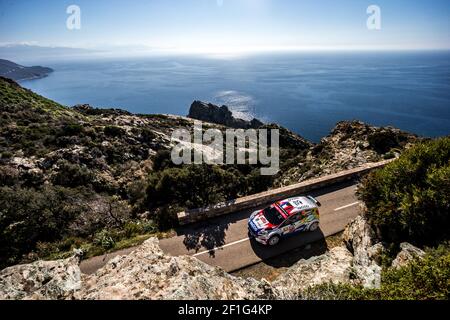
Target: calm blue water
[{"x": 307, "y": 93}]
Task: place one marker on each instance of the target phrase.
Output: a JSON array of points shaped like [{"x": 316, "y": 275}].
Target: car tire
[
  {"x": 273, "y": 241},
  {"x": 313, "y": 227}
]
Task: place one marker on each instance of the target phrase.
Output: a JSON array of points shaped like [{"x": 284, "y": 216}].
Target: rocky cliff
[
  {"x": 147, "y": 273},
  {"x": 209, "y": 112},
  {"x": 349, "y": 145}
]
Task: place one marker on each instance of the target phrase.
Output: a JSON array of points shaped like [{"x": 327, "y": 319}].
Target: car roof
[{"x": 296, "y": 204}]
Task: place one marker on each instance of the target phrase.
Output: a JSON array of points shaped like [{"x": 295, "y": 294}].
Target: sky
[{"x": 228, "y": 25}]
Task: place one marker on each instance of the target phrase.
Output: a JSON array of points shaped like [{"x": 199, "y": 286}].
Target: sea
[{"x": 307, "y": 92}]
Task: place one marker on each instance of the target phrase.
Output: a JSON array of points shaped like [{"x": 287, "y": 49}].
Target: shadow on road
[
  {"x": 210, "y": 234},
  {"x": 207, "y": 239},
  {"x": 291, "y": 249}
]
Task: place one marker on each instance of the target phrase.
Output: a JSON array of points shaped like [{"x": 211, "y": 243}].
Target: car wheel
[
  {"x": 314, "y": 226},
  {"x": 273, "y": 240}
]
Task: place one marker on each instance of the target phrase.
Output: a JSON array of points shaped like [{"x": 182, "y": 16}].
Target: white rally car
[{"x": 284, "y": 218}]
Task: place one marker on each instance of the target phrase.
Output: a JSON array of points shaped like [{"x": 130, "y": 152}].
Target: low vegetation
[
  {"x": 409, "y": 200},
  {"x": 423, "y": 279}
]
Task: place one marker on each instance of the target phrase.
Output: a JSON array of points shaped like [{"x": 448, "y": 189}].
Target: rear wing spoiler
[{"x": 314, "y": 200}]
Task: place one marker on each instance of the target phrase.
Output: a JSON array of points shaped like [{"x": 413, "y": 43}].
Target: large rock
[
  {"x": 147, "y": 273},
  {"x": 334, "y": 266},
  {"x": 41, "y": 280},
  {"x": 209, "y": 112},
  {"x": 359, "y": 239},
  {"x": 407, "y": 254}
]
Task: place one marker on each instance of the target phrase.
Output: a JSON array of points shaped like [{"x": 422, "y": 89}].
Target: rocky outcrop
[
  {"x": 407, "y": 253},
  {"x": 209, "y": 112},
  {"x": 333, "y": 266},
  {"x": 349, "y": 145},
  {"x": 147, "y": 273},
  {"x": 89, "y": 110},
  {"x": 41, "y": 280},
  {"x": 359, "y": 239}
]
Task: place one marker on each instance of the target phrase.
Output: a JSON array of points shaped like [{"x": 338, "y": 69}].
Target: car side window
[
  {"x": 296, "y": 217},
  {"x": 286, "y": 222}
]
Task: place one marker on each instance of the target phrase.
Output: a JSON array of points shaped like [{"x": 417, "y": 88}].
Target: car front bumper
[{"x": 255, "y": 236}]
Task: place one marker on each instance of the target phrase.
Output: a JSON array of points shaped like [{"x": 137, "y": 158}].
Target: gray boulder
[
  {"x": 41, "y": 280},
  {"x": 334, "y": 266},
  {"x": 359, "y": 239},
  {"x": 406, "y": 255}
]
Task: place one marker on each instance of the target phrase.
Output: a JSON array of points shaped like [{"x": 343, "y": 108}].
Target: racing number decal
[{"x": 288, "y": 229}]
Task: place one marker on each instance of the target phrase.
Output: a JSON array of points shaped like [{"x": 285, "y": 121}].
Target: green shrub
[
  {"x": 147, "y": 135},
  {"x": 8, "y": 176},
  {"x": 113, "y": 131},
  {"x": 132, "y": 228},
  {"x": 255, "y": 182},
  {"x": 73, "y": 129},
  {"x": 192, "y": 186},
  {"x": 104, "y": 239},
  {"x": 149, "y": 226},
  {"x": 32, "y": 178},
  {"x": 427, "y": 279},
  {"x": 162, "y": 160},
  {"x": 29, "y": 216},
  {"x": 166, "y": 217},
  {"x": 383, "y": 141},
  {"x": 336, "y": 291},
  {"x": 389, "y": 155},
  {"x": 409, "y": 199},
  {"x": 6, "y": 155},
  {"x": 72, "y": 175}
]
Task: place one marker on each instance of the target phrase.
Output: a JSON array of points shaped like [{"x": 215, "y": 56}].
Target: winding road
[{"x": 223, "y": 241}]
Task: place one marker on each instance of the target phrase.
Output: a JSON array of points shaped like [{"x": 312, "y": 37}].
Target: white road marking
[
  {"x": 217, "y": 248},
  {"x": 347, "y": 206}
]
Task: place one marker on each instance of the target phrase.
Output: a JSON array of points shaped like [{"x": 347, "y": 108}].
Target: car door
[
  {"x": 289, "y": 225},
  {"x": 299, "y": 221}
]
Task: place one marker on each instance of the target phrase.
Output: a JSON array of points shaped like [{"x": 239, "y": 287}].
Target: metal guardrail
[{"x": 255, "y": 200}]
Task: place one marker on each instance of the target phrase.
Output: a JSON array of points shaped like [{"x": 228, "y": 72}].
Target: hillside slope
[
  {"x": 18, "y": 72},
  {"x": 102, "y": 178}
]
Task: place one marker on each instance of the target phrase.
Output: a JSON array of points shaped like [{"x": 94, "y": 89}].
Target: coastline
[{"x": 34, "y": 78}]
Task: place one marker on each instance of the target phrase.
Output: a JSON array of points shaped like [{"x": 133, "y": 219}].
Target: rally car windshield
[{"x": 273, "y": 216}]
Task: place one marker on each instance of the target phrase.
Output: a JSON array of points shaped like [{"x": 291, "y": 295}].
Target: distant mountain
[
  {"x": 14, "y": 71},
  {"x": 23, "y": 52}
]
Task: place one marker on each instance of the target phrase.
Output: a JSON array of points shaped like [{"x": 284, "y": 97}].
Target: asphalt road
[{"x": 223, "y": 241}]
